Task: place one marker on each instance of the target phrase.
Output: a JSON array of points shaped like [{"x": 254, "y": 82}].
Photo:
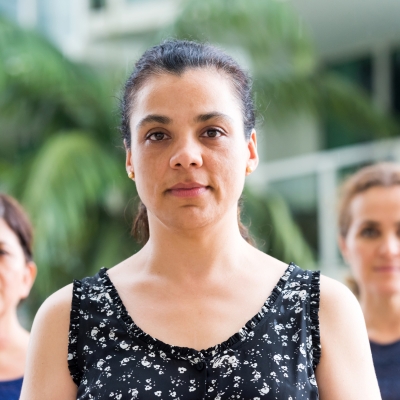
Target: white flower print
[
  {"x": 277, "y": 358},
  {"x": 264, "y": 390},
  {"x": 134, "y": 393},
  {"x": 275, "y": 349},
  {"x": 94, "y": 332},
  {"x": 124, "y": 345}
]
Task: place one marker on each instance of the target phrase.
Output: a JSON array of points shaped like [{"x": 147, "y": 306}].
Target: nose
[
  {"x": 390, "y": 245},
  {"x": 186, "y": 154}
]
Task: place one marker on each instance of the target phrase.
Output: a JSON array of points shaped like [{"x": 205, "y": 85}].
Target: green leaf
[{"x": 69, "y": 177}]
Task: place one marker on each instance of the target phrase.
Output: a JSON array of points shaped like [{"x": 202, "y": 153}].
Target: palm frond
[
  {"x": 268, "y": 32},
  {"x": 70, "y": 176},
  {"x": 41, "y": 91},
  {"x": 270, "y": 222}
]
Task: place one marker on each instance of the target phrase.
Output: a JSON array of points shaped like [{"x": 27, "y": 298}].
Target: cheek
[
  {"x": 361, "y": 255},
  {"x": 231, "y": 161},
  {"x": 228, "y": 174},
  {"x": 149, "y": 172},
  {"x": 11, "y": 285}
]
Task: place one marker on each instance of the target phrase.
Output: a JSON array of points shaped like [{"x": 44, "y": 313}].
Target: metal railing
[{"x": 325, "y": 165}]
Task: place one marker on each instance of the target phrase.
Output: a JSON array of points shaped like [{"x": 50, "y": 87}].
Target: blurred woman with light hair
[
  {"x": 17, "y": 274},
  {"x": 369, "y": 227}
]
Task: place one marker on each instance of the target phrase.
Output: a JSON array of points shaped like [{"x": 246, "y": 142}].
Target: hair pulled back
[
  {"x": 17, "y": 220},
  {"x": 175, "y": 57}
]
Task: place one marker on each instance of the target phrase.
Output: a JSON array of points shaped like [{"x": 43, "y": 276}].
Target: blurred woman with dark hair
[
  {"x": 198, "y": 312},
  {"x": 17, "y": 274},
  {"x": 369, "y": 226}
]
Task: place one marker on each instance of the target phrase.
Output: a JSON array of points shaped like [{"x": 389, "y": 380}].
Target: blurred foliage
[
  {"x": 271, "y": 39},
  {"x": 60, "y": 153},
  {"x": 272, "y": 226},
  {"x": 277, "y": 47}
]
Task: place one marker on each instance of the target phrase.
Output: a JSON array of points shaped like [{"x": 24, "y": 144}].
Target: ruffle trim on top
[
  {"x": 186, "y": 353},
  {"x": 73, "y": 365},
  {"x": 314, "y": 310}
]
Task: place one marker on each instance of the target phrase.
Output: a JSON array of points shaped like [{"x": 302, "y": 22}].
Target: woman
[
  {"x": 17, "y": 274},
  {"x": 198, "y": 313},
  {"x": 369, "y": 226}
]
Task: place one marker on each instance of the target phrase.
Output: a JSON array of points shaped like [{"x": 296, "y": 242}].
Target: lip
[
  {"x": 188, "y": 189},
  {"x": 387, "y": 269}
]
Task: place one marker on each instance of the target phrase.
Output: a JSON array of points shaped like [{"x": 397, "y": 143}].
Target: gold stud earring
[
  {"x": 248, "y": 170},
  {"x": 131, "y": 175}
]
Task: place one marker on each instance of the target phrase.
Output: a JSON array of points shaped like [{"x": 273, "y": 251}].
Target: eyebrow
[
  {"x": 370, "y": 222},
  {"x": 375, "y": 223},
  {"x": 161, "y": 119},
  {"x": 211, "y": 115}
]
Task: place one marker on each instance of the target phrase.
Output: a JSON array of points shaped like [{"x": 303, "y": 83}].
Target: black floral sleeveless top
[{"x": 273, "y": 356}]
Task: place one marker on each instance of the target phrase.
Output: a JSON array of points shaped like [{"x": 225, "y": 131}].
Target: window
[
  {"x": 8, "y": 8},
  {"x": 97, "y": 4},
  {"x": 395, "y": 86},
  {"x": 337, "y": 133}
]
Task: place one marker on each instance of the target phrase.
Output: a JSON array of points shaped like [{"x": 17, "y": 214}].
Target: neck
[
  {"x": 382, "y": 316},
  {"x": 13, "y": 347},
  {"x": 196, "y": 254},
  {"x": 11, "y": 332}
]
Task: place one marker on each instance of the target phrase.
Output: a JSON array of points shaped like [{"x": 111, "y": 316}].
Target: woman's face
[
  {"x": 372, "y": 244},
  {"x": 16, "y": 275},
  {"x": 189, "y": 153}
]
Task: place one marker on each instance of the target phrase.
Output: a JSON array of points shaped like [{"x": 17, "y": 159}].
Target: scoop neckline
[{"x": 188, "y": 353}]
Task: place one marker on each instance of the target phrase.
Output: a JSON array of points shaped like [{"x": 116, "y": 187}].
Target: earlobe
[
  {"x": 29, "y": 278},
  {"x": 343, "y": 247},
  {"x": 128, "y": 163},
  {"x": 252, "y": 162}
]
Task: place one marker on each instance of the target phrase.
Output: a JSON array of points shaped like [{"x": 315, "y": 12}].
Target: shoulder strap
[
  {"x": 303, "y": 287},
  {"x": 73, "y": 363},
  {"x": 314, "y": 317},
  {"x": 87, "y": 294}
]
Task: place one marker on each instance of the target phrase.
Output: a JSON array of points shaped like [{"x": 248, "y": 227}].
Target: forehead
[
  {"x": 377, "y": 203},
  {"x": 7, "y": 235},
  {"x": 197, "y": 90}
]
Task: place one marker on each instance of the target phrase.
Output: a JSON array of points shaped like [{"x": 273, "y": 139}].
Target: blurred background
[{"x": 327, "y": 88}]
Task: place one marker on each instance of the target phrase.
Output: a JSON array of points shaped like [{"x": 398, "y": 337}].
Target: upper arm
[
  {"x": 47, "y": 376},
  {"x": 345, "y": 370}
]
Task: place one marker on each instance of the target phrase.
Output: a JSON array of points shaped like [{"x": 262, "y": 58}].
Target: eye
[
  {"x": 3, "y": 252},
  {"x": 369, "y": 232},
  {"x": 212, "y": 133},
  {"x": 157, "y": 136}
]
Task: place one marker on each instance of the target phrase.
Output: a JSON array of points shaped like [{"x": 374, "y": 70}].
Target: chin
[
  {"x": 189, "y": 219},
  {"x": 388, "y": 289}
]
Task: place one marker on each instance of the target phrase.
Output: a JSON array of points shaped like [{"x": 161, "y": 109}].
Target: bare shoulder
[
  {"x": 339, "y": 311},
  {"x": 52, "y": 321},
  {"x": 47, "y": 375},
  {"x": 337, "y": 302},
  {"x": 346, "y": 363},
  {"x": 56, "y": 308}
]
